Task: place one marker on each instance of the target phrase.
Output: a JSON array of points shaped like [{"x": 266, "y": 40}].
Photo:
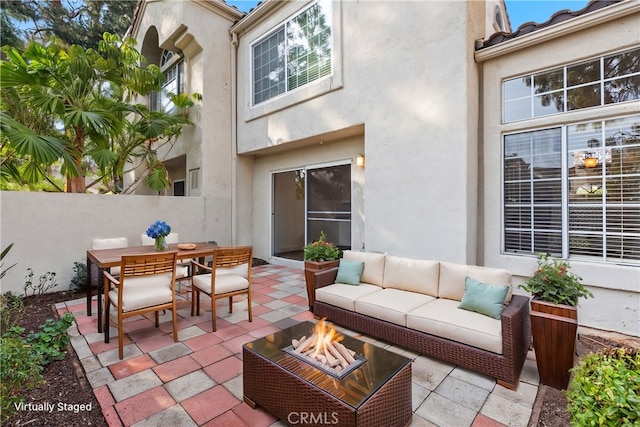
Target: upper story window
[
  {"x": 600, "y": 81},
  {"x": 296, "y": 53},
  {"x": 172, "y": 66}
]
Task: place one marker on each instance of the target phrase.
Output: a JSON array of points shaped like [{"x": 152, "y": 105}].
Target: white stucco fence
[{"x": 50, "y": 231}]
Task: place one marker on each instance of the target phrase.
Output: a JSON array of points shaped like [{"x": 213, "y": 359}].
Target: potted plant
[
  {"x": 554, "y": 318},
  {"x": 318, "y": 255}
]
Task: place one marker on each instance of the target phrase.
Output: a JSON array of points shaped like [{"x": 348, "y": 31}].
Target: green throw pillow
[
  {"x": 349, "y": 272},
  {"x": 482, "y": 298}
]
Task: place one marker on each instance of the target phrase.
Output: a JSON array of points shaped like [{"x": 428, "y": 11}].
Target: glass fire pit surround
[{"x": 378, "y": 392}]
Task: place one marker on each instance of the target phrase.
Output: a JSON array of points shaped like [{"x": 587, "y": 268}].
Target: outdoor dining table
[{"x": 104, "y": 259}]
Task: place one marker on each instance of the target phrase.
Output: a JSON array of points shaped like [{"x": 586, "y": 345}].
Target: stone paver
[
  {"x": 189, "y": 385},
  {"x": 198, "y": 381}
]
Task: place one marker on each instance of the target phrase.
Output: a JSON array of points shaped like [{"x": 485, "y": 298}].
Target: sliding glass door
[{"x": 307, "y": 202}]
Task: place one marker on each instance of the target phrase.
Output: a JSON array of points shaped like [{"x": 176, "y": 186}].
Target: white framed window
[
  {"x": 574, "y": 190},
  {"x": 172, "y": 66},
  {"x": 296, "y": 53},
  {"x": 596, "y": 82}
]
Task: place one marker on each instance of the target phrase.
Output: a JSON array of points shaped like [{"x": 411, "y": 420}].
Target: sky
[{"x": 520, "y": 11}]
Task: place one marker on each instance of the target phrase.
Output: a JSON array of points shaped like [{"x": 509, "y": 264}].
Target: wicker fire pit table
[{"x": 378, "y": 392}]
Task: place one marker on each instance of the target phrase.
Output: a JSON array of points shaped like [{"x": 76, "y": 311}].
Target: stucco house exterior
[{"x": 421, "y": 128}]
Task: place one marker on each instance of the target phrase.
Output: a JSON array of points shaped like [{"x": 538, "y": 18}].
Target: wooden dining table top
[{"x": 106, "y": 258}]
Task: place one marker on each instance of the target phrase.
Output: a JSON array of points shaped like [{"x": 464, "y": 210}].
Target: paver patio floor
[{"x": 198, "y": 381}]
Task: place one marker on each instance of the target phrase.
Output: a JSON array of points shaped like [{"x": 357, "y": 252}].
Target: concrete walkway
[{"x": 198, "y": 381}]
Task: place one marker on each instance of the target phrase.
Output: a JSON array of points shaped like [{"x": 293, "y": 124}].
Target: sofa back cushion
[
  {"x": 413, "y": 275},
  {"x": 452, "y": 279},
  {"x": 373, "y": 271}
]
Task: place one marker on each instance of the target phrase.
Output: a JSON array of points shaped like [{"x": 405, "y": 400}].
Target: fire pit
[
  {"x": 324, "y": 350},
  {"x": 377, "y": 391}
]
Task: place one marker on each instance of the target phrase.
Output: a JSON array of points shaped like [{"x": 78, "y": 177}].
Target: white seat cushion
[
  {"x": 238, "y": 270},
  {"x": 413, "y": 275},
  {"x": 452, "y": 279},
  {"x": 140, "y": 292},
  {"x": 373, "y": 271},
  {"x": 224, "y": 283},
  {"x": 182, "y": 271},
  {"x": 443, "y": 318},
  {"x": 344, "y": 296},
  {"x": 391, "y": 305},
  {"x": 110, "y": 243}
]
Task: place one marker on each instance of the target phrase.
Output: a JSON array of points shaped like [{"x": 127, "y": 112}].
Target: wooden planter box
[
  {"x": 554, "y": 328},
  {"x": 310, "y": 267}
]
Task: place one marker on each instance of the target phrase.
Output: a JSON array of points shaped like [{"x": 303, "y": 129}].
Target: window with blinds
[
  {"x": 574, "y": 190},
  {"x": 294, "y": 54},
  {"x": 600, "y": 81}
]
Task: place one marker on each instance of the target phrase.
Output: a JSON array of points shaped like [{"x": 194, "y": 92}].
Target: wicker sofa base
[
  {"x": 296, "y": 401},
  {"x": 504, "y": 367}
]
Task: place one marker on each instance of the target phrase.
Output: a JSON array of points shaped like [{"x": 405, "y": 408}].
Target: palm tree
[{"x": 80, "y": 103}]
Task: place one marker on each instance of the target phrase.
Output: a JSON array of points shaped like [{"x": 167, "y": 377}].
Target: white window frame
[
  {"x": 313, "y": 89},
  {"x": 562, "y": 91},
  {"x": 566, "y": 233}
]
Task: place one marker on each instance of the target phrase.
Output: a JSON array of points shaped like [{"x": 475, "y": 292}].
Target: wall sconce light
[{"x": 360, "y": 160}]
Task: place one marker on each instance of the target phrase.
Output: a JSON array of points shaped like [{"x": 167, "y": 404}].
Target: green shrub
[
  {"x": 52, "y": 339},
  {"x": 23, "y": 358},
  {"x": 605, "y": 389},
  {"x": 20, "y": 369},
  {"x": 79, "y": 280},
  {"x": 11, "y": 310}
]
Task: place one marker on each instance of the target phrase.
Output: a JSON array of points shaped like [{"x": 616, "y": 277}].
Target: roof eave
[{"x": 570, "y": 26}]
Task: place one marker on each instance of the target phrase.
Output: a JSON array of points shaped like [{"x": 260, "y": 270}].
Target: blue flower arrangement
[{"x": 158, "y": 231}]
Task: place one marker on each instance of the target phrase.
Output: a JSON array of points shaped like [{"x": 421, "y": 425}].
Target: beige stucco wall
[
  {"x": 201, "y": 31},
  {"x": 411, "y": 89},
  {"x": 51, "y": 231},
  {"x": 616, "y": 305}
]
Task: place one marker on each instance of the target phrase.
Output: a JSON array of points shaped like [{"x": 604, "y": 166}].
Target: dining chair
[
  {"x": 183, "y": 267},
  {"x": 229, "y": 275},
  {"x": 147, "y": 284},
  {"x": 103, "y": 243}
]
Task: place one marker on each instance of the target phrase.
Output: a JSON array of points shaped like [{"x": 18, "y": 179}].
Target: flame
[{"x": 324, "y": 334}]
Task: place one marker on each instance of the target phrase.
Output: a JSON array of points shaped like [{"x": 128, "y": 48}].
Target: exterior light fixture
[{"x": 360, "y": 160}]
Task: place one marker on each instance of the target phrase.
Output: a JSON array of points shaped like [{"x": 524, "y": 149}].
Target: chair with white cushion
[
  {"x": 182, "y": 271},
  {"x": 229, "y": 275},
  {"x": 103, "y": 243},
  {"x": 147, "y": 283}
]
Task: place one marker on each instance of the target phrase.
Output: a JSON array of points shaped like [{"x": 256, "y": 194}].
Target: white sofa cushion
[
  {"x": 452, "y": 279},
  {"x": 344, "y": 296},
  {"x": 444, "y": 319},
  {"x": 391, "y": 305},
  {"x": 413, "y": 275},
  {"x": 373, "y": 271}
]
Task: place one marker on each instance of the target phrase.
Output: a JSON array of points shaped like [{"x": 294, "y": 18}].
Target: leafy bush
[
  {"x": 21, "y": 369},
  {"x": 23, "y": 358},
  {"x": 321, "y": 250},
  {"x": 52, "y": 339},
  {"x": 553, "y": 282},
  {"x": 79, "y": 280},
  {"x": 11, "y": 310},
  {"x": 605, "y": 389}
]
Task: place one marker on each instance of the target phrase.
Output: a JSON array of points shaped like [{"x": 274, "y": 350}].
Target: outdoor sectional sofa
[{"x": 414, "y": 304}]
